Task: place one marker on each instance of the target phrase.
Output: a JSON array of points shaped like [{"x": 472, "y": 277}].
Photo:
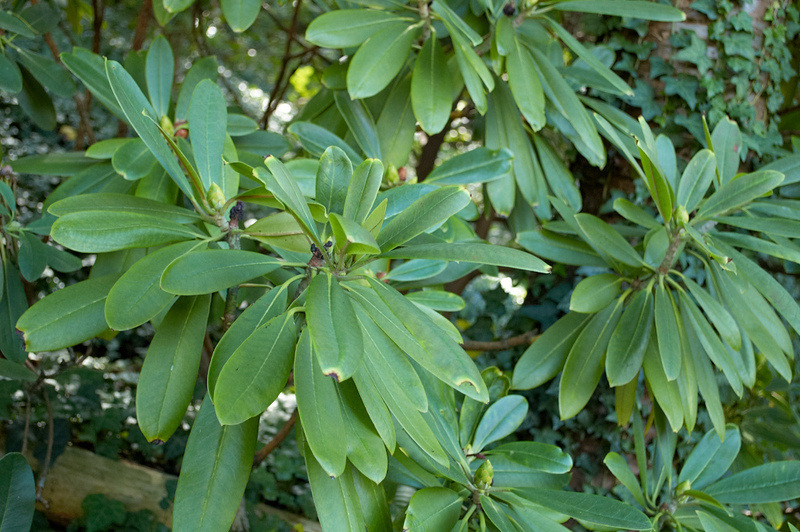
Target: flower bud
[
  {"x": 215, "y": 197},
  {"x": 681, "y": 215},
  {"x": 166, "y": 125},
  {"x": 484, "y": 475}
]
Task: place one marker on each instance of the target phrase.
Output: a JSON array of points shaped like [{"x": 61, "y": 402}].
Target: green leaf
[
  {"x": 475, "y": 166},
  {"x": 365, "y": 450},
  {"x": 351, "y": 237},
  {"x": 214, "y": 472},
  {"x": 133, "y": 104},
  {"x": 711, "y": 458},
  {"x": 362, "y": 190},
  {"x": 105, "y": 149},
  {"x": 36, "y": 103},
  {"x": 133, "y": 160},
  {"x": 437, "y": 300},
  {"x": 256, "y": 372},
  {"x": 170, "y": 368},
  {"x": 240, "y": 14},
  {"x": 620, "y": 469},
  {"x": 320, "y": 410},
  {"x": 360, "y": 122},
  {"x": 205, "y": 68},
  {"x": 479, "y": 253},
  {"x": 431, "y": 87},
  {"x": 10, "y": 76},
  {"x": 545, "y": 357},
  {"x": 738, "y": 192},
  {"x": 280, "y": 182},
  {"x": 696, "y": 179},
  {"x": 452, "y": 19},
  {"x": 525, "y": 85},
  {"x": 721, "y": 318},
  {"x": 63, "y": 164},
  {"x": 602, "y": 237},
  {"x": 667, "y": 332},
  {"x": 333, "y": 177},
  {"x": 772, "y": 226},
  {"x": 102, "y": 231},
  {"x": 137, "y": 296},
  {"x": 396, "y": 124},
  {"x": 500, "y": 420},
  {"x": 333, "y": 327},
  {"x": 240, "y": 125},
  {"x": 16, "y": 372},
  {"x": 635, "y": 214},
  {"x": 32, "y": 258},
  {"x": 445, "y": 359},
  {"x": 590, "y": 59},
  {"x": 624, "y": 8},
  {"x": 212, "y": 270},
  {"x": 584, "y": 364},
  {"x": 473, "y": 70},
  {"x": 68, "y": 316},
  {"x": 595, "y": 293},
  {"x": 379, "y": 60},
  {"x": 335, "y": 498},
  {"x": 90, "y": 69},
  {"x": 12, "y": 22},
  {"x": 432, "y": 510},
  {"x": 425, "y": 213},
  {"x": 559, "y": 248},
  {"x": 316, "y": 139},
  {"x": 12, "y": 305},
  {"x": 208, "y": 121},
  {"x": 727, "y": 144},
  {"x": 666, "y": 393},
  {"x": 49, "y": 73},
  {"x": 159, "y": 71},
  {"x": 17, "y": 492},
  {"x": 629, "y": 340},
  {"x": 343, "y": 28},
  {"x": 123, "y": 203},
  {"x": 558, "y": 176},
  {"x": 176, "y": 6},
  {"x": 594, "y": 509},
  {"x": 771, "y": 482},
  {"x": 534, "y": 455}
]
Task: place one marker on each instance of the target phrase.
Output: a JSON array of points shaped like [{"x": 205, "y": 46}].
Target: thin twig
[
  {"x": 500, "y": 345},
  {"x": 262, "y": 453},
  {"x": 233, "y": 243},
  {"x": 287, "y": 52},
  {"x": 27, "y": 422},
  {"x": 145, "y": 14},
  {"x": 50, "y": 437}
]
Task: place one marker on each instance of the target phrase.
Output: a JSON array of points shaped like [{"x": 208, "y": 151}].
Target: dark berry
[{"x": 509, "y": 9}]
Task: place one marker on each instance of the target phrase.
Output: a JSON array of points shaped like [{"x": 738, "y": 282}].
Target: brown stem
[
  {"x": 500, "y": 345},
  {"x": 429, "y": 153},
  {"x": 145, "y": 14},
  {"x": 27, "y": 423},
  {"x": 669, "y": 258},
  {"x": 262, "y": 453},
  {"x": 287, "y": 56},
  {"x": 233, "y": 243},
  {"x": 98, "y": 7},
  {"x": 50, "y": 437}
]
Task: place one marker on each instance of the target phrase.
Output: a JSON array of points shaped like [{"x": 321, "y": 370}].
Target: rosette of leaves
[
  {"x": 25, "y": 73},
  {"x": 679, "y": 297},
  {"x": 714, "y": 489},
  {"x": 509, "y": 58},
  {"x": 366, "y": 359}
]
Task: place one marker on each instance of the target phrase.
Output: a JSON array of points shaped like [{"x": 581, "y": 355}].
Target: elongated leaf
[
  {"x": 102, "y": 231},
  {"x": 500, "y": 420},
  {"x": 205, "y": 272},
  {"x": 545, "y": 357},
  {"x": 333, "y": 327},
  {"x": 433, "y": 509},
  {"x": 437, "y": 300},
  {"x": 473, "y": 70},
  {"x": 721, "y": 318},
  {"x": 593, "y": 509},
  {"x": 427, "y": 212},
  {"x": 159, "y": 70},
  {"x": 431, "y": 90},
  {"x": 772, "y": 482},
  {"x": 335, "y": 498},
  {"x": 12, "y": 22},
  {"x": 280, "y": 182},
  {"x": 379, "y": 60},
  {"x": 170, "y": 368},
  {"x": 635, "y": 214},
  {"x": 256, "y": 372},
  {"x": 624, "y": 8},
  {"x": 396, "y": 124},
  {"x": 525, "y": 85},
  {"x": 214, "y": 472},
  {"x": 365, "y": 450},
  {"x": 105, "y": 202},
  {"x": 362, "y": 190},
  {"x": 696, "y": 179},
  {"x": 559, "y": 248},
  {"x": 133, "y": 160},
  {"x": 584, "y": 364},
  {"x": 207, "y": 124},
  {"x": 140, "y": 114},
  {"x": 47, "y": 72},
  {"x": 475, "y": 166},
  {"x": 316, "y": 139},
  {"x": 711, "y": 458},
  {"x": 36, "y": 103},
  {"x": 333, "y": 178},
  {"x": 620, "y": 469},
  {"x": 360, "y": 122},
  {"x": 319, "y": 409},
  {"x": 90, "y": 69},
  {"x": 602, "y": 236},
  {"x": 17, "y": 492},
  {"x": 594, "y": 293},
  {"x": 240, "y": 14},
  {"x": 10, "y": 76},
  {"x": 667, "y": 333},
  {"x": 344, "y": 28},
  {"x": 68, "y": 316},
  {"x": 739, "y": 191},
  {"x": 535, "y": 455},
  {"x": 445, "y": 359},
  {"x": 561, "y": 181},
  {"x": 12, "y": 305},
  {"x": 205, "y": 68},
  {"x": 478, "y": 253},
  {"x": 630, "y": 339},
  {"x": 137, "y": 296},
  {"x": 351, "y": 238}
]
